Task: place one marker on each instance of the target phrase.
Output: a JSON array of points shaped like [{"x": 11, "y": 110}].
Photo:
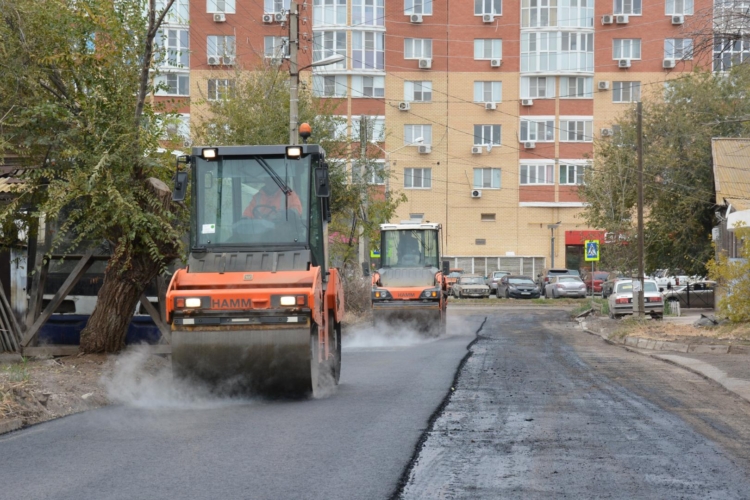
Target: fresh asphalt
[{"x": 537, "y": 409}]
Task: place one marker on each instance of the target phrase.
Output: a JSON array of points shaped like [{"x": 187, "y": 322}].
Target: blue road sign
[{"x": 592, "y": 250}]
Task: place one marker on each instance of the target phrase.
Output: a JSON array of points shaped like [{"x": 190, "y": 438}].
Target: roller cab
[
  {"x": 409, "y": 288},
  {"x": 257, "y": 309}
]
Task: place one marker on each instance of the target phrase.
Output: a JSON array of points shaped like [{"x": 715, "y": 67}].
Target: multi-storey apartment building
[{"x": 486, "y": 110}]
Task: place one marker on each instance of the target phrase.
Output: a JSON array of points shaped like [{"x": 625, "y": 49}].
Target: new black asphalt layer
[
  {"x": 545, "y": 411},
  {"x": 353, "y": 444}
]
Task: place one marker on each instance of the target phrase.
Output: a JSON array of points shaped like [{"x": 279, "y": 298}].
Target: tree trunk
[{"x": 123, "y": 286}]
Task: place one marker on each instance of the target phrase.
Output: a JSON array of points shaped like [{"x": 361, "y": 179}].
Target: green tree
[
  {"x": 734, "y": 278},
  {"x": 254, "y": 109},
  {"x": 74, "y": 87},
  {"x": 678, "y": 124}
]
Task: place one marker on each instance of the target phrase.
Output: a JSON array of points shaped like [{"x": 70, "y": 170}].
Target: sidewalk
[{"x": 726, "y": 364}]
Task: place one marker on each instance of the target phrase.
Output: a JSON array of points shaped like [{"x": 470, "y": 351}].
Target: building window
[
  {"x": 340, "y": 128},
  {"x": 576, "y": 130},
  {"x": 487, "y": 134},
  {"x": 328, "y": 44},
  {"x": 329, "y": 12},
  {"x": 627, "y": 48},
  {"x": 486, "y": 48},
  {"x": 488, "y": 91},
  {"x": 179, "y": 13},
  {"x": 368, "y": 86},
  {"x": 414, "y": 132},
  {"x": 572, "y": 174},
  {"x": 538, "y": 130},
  {"x": 368, "y": 12},
  {"x": 418, "y": 7},
  {"x": 221, "y": 46},
  {"x": 482, "y": 7},
  {"x": 177, "y": 127},
  {"x": 577, "y": 13},
  {"x": 218, "y": 6},
  {"x": 418, "y": 91},
  {"x": 678, "y": 48},
  {"x": 173, "y": 84},
  {"x": 374, "y": 172},
  {"x": 276, "y": 47},
  {"x": 480, "y": 241},
  {"x": 684, "y": 7},
  {"x": 487, "y": 217},
  {"x": 375, "y": 128},
  {"x": 274, "y": 6},
  {"x": 219, "y": 89},
  {"x": 417, "y": 48},
  {"x": 367, "y": 50},
  {"x": 329, "y": 86},
  {"x": 174, "y": 45},
  {"x": 729, "y": 52},
  {"x": 418, "y": 178},
  {"x": 539, "y": 51},
  {"x": 629, "y": 7},
  {"x": 537, "y": 174},
  {"x": 487, "y": 178},
  {"x": 626, "y": 91},
  {"x": 576, "y": 51},
  {"x": 418, "y": 217},
  {"x": 538, "y": 13},
  {"x": 577, "y": 87},
  {"x": 537, "y": 87}
]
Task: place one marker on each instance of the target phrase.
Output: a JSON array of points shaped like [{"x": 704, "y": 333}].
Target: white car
[{"x": 666, "y": 277}]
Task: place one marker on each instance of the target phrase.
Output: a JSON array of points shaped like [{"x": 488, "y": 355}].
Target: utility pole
[
  {"x": 293, "y": 73},
  {"x": 639, "y": 133},
  {"x": 364, "y": 241}
]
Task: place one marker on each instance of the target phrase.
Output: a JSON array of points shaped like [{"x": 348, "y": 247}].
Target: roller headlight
[
  {"x": 430, "y": 293},
  {"x": 287, "y": 300},
  {"x": 192, "y": 302},
  {"x": 381, "y": 295}
]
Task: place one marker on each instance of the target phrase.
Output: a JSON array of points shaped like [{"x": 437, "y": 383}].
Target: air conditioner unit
[
  {"x": 622, "y": 19},
  {"x": 488, "y": 18},
  {"x": 668, "y": 63},
  {"x": 415, "y": 18},
  {"x": 227, "y": 60},
  {"x": 496, "y": 63},
  {"x": 404, "y": 106},
  {"x": 607, "y": 19},
  {"x": 678, "y": 19},
  {"x": 603, "y": 85},
  {"x": 279, "y": 17},
  {"x": 623, "y": 63},
  {"x": 529, "y": 145},
  {"x": 214, "y": 60},
  {"x": 425, "y": 63},
  {"x": 423, "y": 150},
  {"x": 527, "y": 102},
  {"x": 220, "y": 18},
  {"x": 606, "y": 132},
  {"x": 275, "y": 61},
  {"x": 490, "y": 106},
  {"x": 268, "y": 18},
  {"x": 476, "y": 193},
  {"x": 476, "y": 150}
]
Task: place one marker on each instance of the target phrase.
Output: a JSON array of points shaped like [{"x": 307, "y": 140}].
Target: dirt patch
[{"x": 673, "y": 332}]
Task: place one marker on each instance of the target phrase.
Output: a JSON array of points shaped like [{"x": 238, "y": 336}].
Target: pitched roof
[{"x": 731, "y": 159}]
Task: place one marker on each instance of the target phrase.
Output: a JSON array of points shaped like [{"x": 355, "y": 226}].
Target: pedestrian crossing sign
[{"x": 592, "y": 250}]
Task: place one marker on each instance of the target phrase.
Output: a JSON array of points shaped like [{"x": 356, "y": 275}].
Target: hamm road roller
[
  {"x": 409, "y": 288},
  {"x": 257, "y": 309}
]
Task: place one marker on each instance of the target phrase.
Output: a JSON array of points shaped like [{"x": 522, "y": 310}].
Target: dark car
[
  {"x": 517, "y": 287},
  {"x": 544, "y": 278},
  {"x": 608, "y": 284},
  {"x": 698, "y": 295},
  {"x": 595, "y": 280}
]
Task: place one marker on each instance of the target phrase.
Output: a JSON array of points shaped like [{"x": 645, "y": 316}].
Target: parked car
[
  {"x": 517, "y": 287},
  {"x": 565, "y": 286},
  {"x": 698, "y": 295},
  {"x": 670, "y": 277},
  {"x": 595, "y": 280},
  {"x": 621, "y": 299},
  {"x": 452, "y": 278},
  {"x": 608, "y": 284},
  {"x": 544, "y": 278},
  {"x": 494, "y": 278},
  {"x": 470, "y": 285}
]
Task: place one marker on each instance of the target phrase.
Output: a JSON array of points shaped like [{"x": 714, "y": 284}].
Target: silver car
[
  {"x": 565, "y": 286},
  {"x": 470, "y": 285},
  {"x": 621, "y": 299}
]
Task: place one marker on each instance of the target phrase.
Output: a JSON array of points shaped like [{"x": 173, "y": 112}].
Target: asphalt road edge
[{"x": 404, "y": 479}]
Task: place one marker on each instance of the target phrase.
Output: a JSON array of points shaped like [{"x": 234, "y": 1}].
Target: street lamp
[
  {"x": 418, "y": 140},
  {"x": 552, "y": 228}
]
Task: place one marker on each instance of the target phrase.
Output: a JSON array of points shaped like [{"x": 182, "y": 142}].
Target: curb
[{"x": 10, "y": 425}]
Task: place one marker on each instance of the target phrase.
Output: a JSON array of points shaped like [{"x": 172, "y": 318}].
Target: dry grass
[{"x": 665, "y": 330}]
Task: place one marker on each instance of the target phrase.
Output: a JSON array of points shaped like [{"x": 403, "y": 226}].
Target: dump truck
[
  {"x": 257, "y": 308},
  {"x": 410, "y": 287}
]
